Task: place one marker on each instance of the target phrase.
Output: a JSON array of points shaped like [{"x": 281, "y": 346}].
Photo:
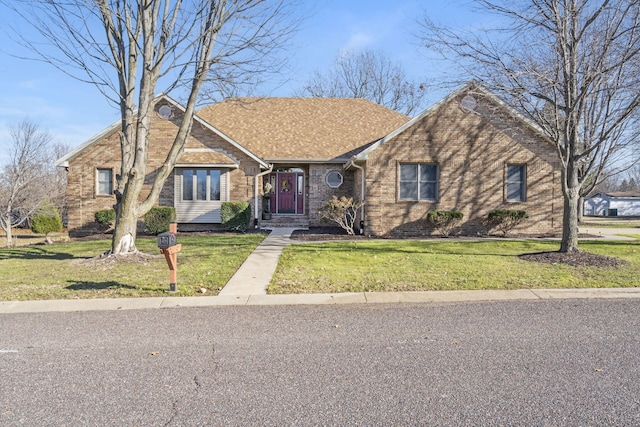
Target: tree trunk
[
  {"x": 570, "y": 220},
  {"x": 125, "y": 231},
  {"x": 9, "y": 236},
  {"x": 7, "y": 230},
  {"x": 580, "y": 210}
]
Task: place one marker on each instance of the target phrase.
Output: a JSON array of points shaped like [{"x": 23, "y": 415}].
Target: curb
[{"x": 115, "y": 304}]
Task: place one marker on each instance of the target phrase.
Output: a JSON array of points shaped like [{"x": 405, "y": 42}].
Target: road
[{"x": 566, "y": 362}]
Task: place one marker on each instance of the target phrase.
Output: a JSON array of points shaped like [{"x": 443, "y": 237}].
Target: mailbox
[{"x": 166, "y": 240}]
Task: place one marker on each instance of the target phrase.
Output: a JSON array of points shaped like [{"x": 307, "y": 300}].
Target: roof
[
  {"x": 64, "y": 161},
  {"x": 619, "y": 194},
  {"x": 472, "y": 85},
  {"x": 303, "y": 129}
]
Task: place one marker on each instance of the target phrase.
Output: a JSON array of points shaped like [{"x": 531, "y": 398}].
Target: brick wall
[
  {"x": 472, "y": 150},
  {"x": 83, "y": 201},
  {"x": 320, "y": 192}
]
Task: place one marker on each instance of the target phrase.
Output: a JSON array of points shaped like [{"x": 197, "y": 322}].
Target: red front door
[{"x": 287, "y": 192}]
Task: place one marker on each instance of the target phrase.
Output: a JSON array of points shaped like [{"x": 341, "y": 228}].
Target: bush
[
  {"x": 445, "y": 221},
  {"x": 106, "y": 217},
  {"x": 235, "y": 216},
  {"x": 157, "y": 220},
  {"x": 341, "y": 210},
  {"x": 505, "y": 220},
  {"x": 47, "y": 219}
]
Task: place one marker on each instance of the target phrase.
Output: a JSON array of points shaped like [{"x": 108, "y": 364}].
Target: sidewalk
[
  {"x": 254, "y": 275},
  {"x": 248, "y": 286}
]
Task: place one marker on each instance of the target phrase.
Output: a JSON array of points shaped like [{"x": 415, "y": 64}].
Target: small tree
[
  {"x": 23, "y": 180},
  {"x": 342, "y": 211},
  {"x": 445, "y": 221},
  {"x": 505, "y": 220}
]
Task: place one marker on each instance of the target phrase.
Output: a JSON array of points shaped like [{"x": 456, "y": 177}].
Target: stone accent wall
[
  {"x": 472, "y": 150},
  {"x": 83, "y": 201}
]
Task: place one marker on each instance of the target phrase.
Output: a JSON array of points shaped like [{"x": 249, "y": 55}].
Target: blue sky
[{"x": 74, "y": 111}]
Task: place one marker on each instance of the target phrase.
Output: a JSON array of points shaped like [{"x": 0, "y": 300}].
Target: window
[
  {"x": 334, "y": 179},
  {"x": 516, "y": 183},
  {"x": 105, "y": 182},
  {"x": 201, "y": 184},
  {"x": 418, "y": 181}
]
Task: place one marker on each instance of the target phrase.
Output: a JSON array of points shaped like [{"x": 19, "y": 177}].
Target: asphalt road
[{"x": 568, "y": 362}]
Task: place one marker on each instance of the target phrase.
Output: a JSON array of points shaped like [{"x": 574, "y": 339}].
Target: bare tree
[
  {"x": 23, "y": 181},
  {"x": 370, "y": 75},
  {"x": 127, "y": 47},
  {"x": 56, "y": 185},
  {"x": 571, "y": 66}
]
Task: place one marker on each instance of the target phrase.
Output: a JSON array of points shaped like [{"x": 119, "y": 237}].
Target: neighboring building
[
  {"x": 469, "y": 152},
  {"x": 621, "y": 203}
]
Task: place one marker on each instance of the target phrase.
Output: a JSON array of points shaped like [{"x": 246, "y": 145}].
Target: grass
[
  {"x": 60, "y": 272},
  {"x": 412, "y": 265}
]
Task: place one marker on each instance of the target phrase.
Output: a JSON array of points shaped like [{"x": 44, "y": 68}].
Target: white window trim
[
  {"x": 326, "y": 179},
  {"x": 194, "y": 183},
  {"x": 98, "y": 193}
]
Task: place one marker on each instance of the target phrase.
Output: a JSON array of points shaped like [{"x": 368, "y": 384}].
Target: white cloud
[
  {"x": 29, "y": 85},
  {"x": 358, "y": 41}
]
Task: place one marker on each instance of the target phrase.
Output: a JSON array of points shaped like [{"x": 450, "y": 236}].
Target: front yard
[
  {"x": 412, "y": 265},
  {"x": 66, "y": 270},
  {"x": 206, "y": 263}
]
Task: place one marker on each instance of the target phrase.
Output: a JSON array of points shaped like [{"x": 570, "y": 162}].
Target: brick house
[{"x": 469, "y": 152}]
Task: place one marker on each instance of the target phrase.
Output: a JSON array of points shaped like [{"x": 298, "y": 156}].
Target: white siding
[
  {"x": 596, "y": 206},
  {"x": 599, "y": 205},
  {"x": 199, "y": 211}
]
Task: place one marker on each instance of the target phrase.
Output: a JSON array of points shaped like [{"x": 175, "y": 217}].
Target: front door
[{"x": 289, "y": 193}]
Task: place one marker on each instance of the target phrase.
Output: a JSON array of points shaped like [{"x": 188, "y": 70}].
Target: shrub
[
  {"x": 47, "y": 219},
  {"x": 445, "y": 221},
  {"x": 235, "y": 216},
  {"x": 505, "y": 220},
  {"x": 106, "y": 217},
  {"x": 157, "y": 220},
  {"x": 342, "y": 211}
]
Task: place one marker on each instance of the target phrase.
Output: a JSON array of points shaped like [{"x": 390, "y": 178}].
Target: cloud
[
  {"x": 32, "y": 85},
  {"x": 359, "y": 41}
]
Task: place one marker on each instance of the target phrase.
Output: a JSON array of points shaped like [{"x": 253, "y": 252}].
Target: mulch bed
[
  {"x": 323, "y": 233},
  {"x": 574, "y": 259}
]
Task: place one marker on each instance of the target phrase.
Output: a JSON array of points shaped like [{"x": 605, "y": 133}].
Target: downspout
[
  {"x": 352, "y": 163},
  {"x": 257, "y": 194}
]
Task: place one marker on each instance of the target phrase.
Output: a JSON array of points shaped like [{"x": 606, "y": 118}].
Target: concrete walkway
[{"x": 254, "y": 275}]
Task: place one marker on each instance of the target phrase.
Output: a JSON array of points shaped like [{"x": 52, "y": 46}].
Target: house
[
  {"x": 469, "y": 152},
  {"x": 621, "y": 203}
]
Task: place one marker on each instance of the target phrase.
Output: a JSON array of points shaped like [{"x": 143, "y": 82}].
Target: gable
[
  {"x": 303, "y": 129},
  {"x": 471, "y": 99},
  {"x": 162, "y": 101}
]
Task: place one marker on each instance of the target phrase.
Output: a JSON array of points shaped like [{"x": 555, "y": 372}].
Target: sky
[{"x": 73, "y": 111}]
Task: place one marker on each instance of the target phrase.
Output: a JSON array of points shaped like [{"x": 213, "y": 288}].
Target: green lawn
[
  {"x": 412, "y": 265},
  {"x": 60, "y": 272}
]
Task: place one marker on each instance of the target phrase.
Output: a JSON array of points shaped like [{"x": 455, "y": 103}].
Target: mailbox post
[{"x": 168, "y": 245}]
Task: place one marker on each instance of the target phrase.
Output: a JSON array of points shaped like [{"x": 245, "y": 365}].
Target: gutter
[
  {"x": 257, "y": 194},
  {"x": 347, "y": 166}
]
